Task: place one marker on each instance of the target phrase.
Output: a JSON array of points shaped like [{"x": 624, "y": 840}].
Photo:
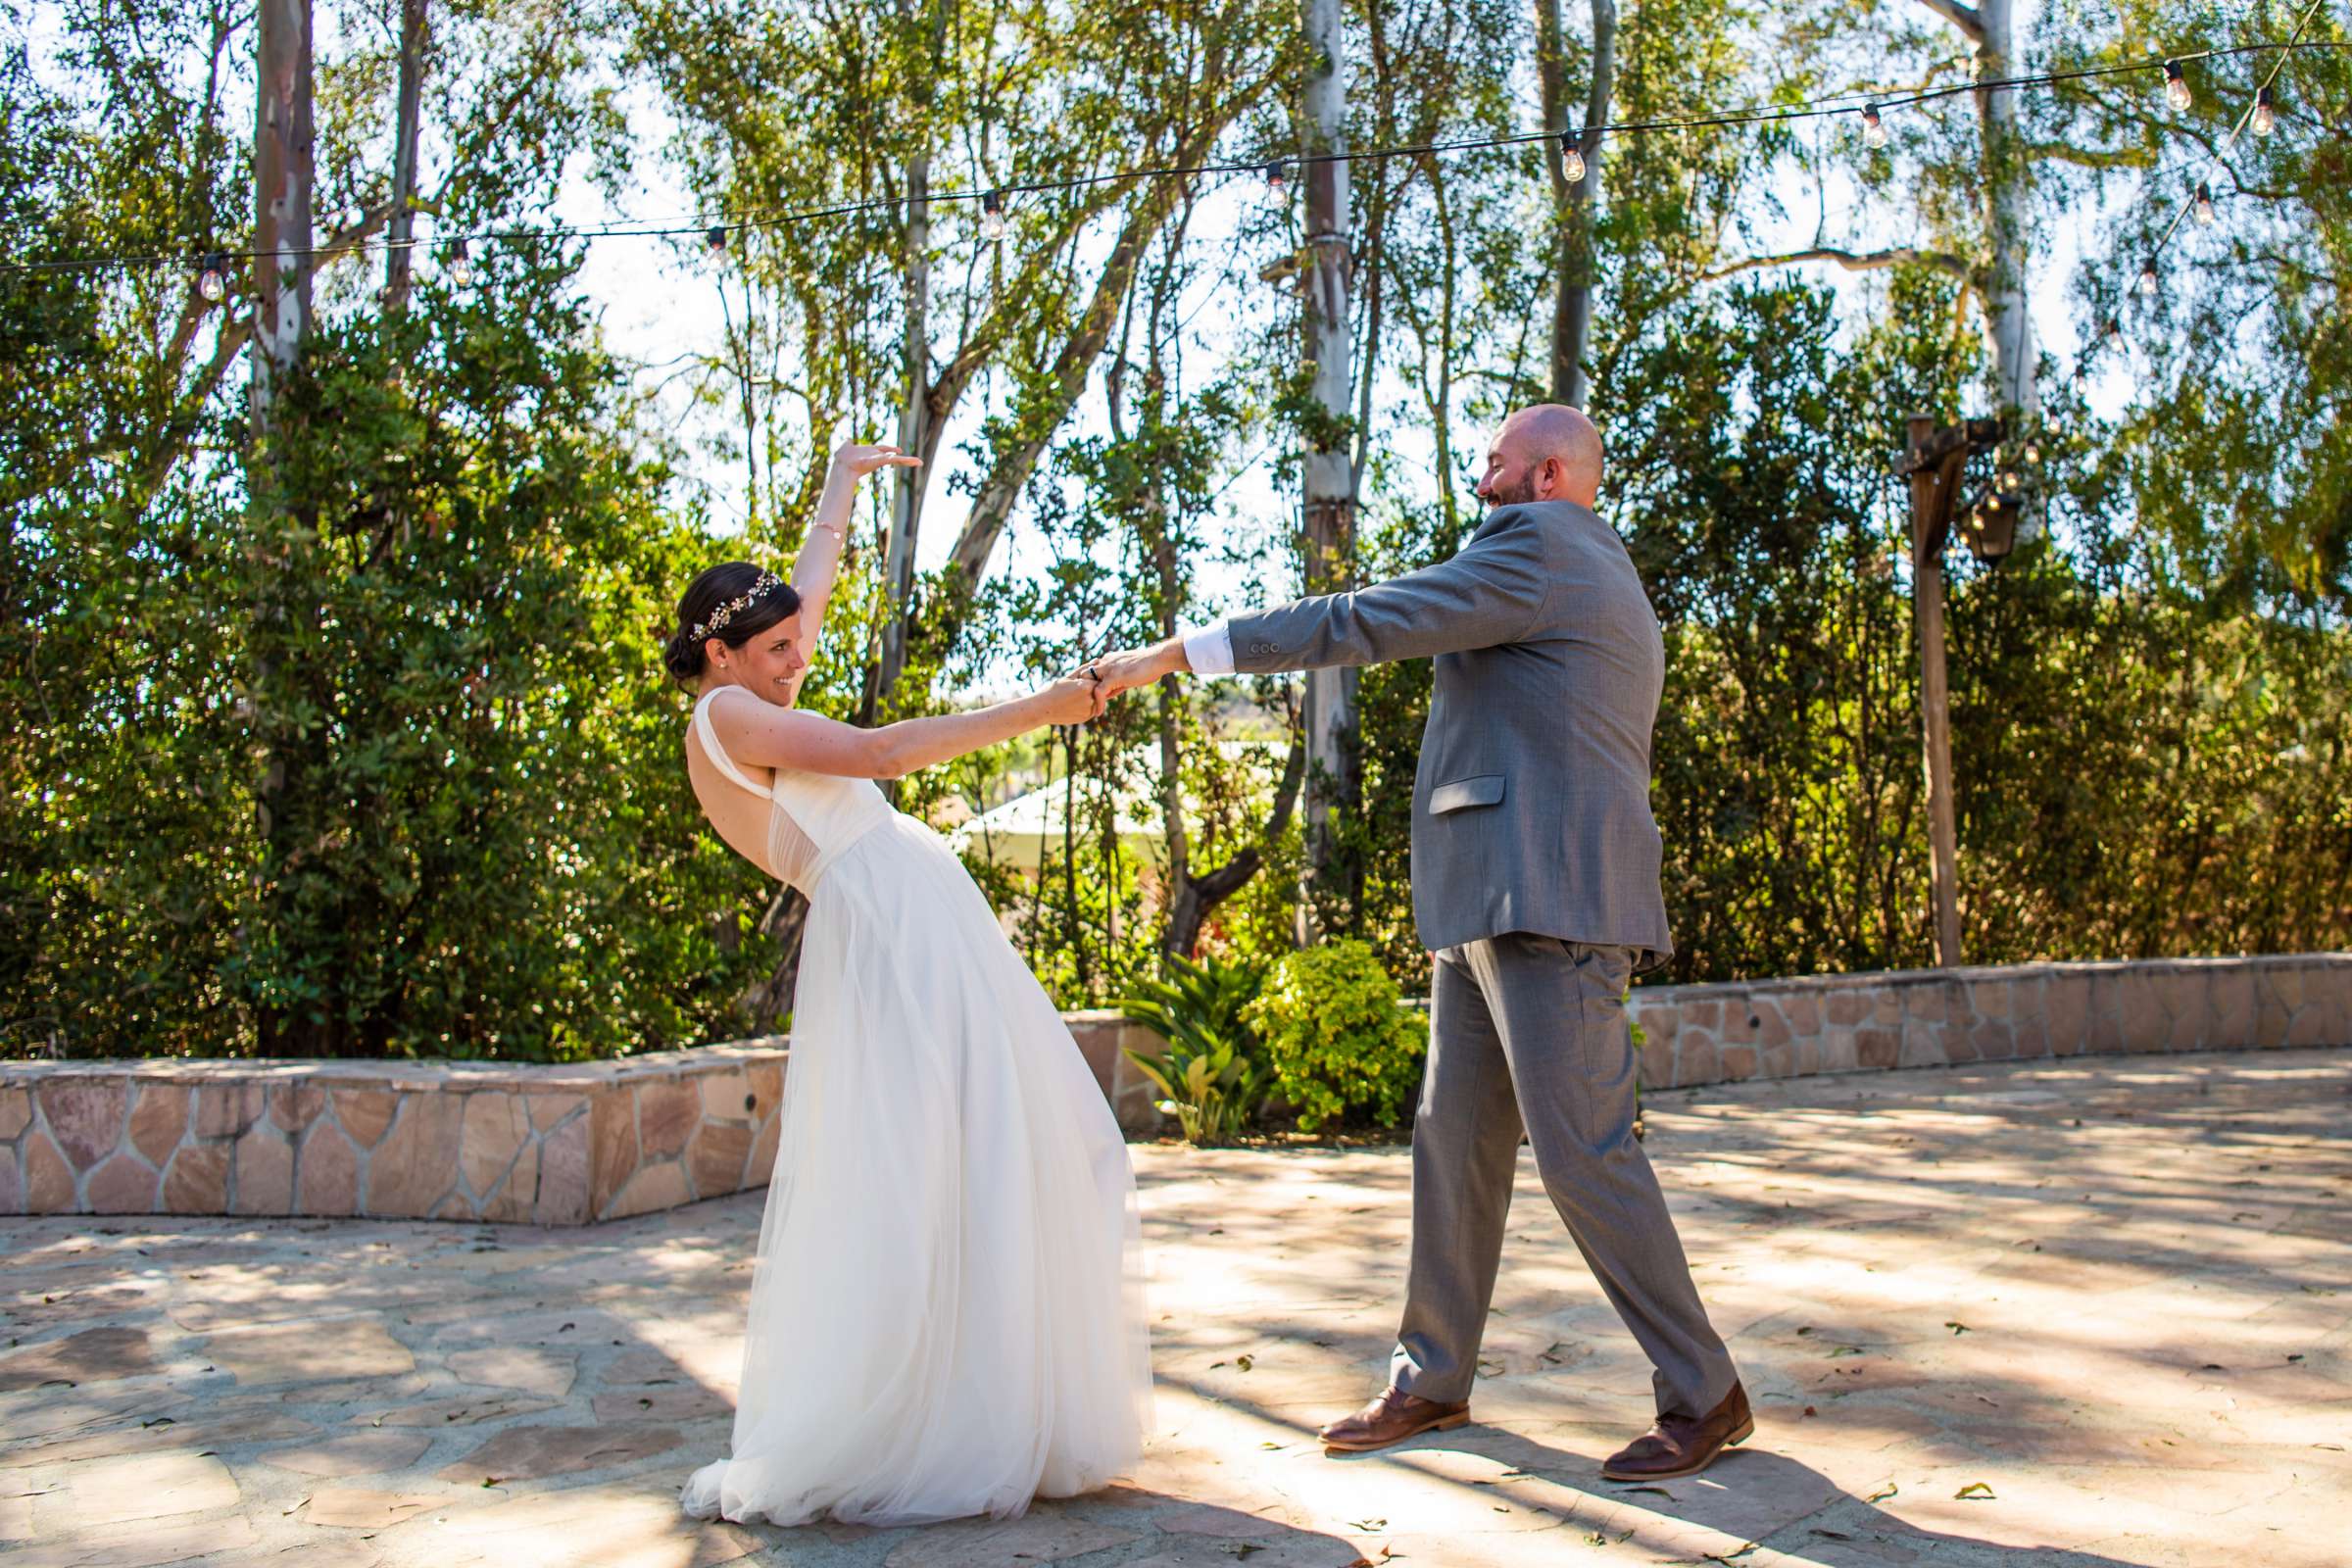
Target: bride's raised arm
[{"x": 819, "y": 560}]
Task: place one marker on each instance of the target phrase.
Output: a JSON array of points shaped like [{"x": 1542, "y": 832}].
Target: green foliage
[
  {"x": 344, "y": 736},
  {"x": 1339, "y": 1035},
  {"x": 1213, "y": 1077}
]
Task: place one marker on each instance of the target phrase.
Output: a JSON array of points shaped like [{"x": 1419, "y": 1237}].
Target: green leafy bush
[
  {"x": 1213, "y": 1077},
  {"x": 1339, "y": 1035}
]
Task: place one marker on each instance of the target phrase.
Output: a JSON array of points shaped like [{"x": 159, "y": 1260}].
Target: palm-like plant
[{"x": 1213, "y": 1078}]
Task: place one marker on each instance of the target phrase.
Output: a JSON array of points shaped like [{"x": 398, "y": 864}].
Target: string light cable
[
  {"x": 2261, "y": 114},
  {"x": 213, "y": 264}
]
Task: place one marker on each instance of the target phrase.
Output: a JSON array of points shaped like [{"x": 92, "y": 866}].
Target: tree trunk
[
  {"x": 1329, "y": 552},
  {"x": 404, "y": 154},
  {"x": 908, "y": 485},
  {"x": 2008, "y": 316},
  {"x": 1573, "y": 200},
  {"x": 281, "y": 314},
  {"x": 281, "y": 168},
  {"x": 1193, "y": 899},
  {"x": 2008, "y": 322}
]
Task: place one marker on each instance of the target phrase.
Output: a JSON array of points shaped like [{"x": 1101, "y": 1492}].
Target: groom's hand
[{"x": 1140, "y": 667}]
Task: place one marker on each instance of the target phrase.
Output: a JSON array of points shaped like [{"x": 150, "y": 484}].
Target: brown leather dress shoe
[
  {"x": 1391, "y": 1418},
  {"x": 1681, "y": 1446}
]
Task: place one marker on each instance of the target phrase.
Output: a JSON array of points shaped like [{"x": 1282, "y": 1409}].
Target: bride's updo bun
[{"x": 744, "y": 600}]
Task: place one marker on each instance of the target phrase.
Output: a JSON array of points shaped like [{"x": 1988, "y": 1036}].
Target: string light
[
  {"x": 213, "y": 281},
  {"x": 992, "y": 226},
  {"x": 461, "y": 266},
  {"x": 2177, "y": 93},
  {"x": 1572, "y": 157},
  {"x": 716, "y": 239},
  {"x": 1873, "y": 128},
  {"x": 2176, "y": 87},
  {"x": 2114, "y": 330},
  {"x": 1276, "y": 173}
]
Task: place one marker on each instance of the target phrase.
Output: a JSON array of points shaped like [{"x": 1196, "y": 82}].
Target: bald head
[{"x": 1549, "y": 452}]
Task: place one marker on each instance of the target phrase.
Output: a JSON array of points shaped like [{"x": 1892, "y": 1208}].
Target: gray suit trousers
[{"x": 1529, "y": 1033}]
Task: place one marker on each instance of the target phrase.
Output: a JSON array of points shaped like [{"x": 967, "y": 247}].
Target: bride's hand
[
  {"x": 856, "y": 460},
  {"x": 1072, "y": 699}
]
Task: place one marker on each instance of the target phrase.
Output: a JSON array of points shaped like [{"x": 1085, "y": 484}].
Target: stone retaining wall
[
  {"x": 571, "y": 1144},
  {"x": 1938, "y": 1017},
  {"x": 557, "y": 1145}
]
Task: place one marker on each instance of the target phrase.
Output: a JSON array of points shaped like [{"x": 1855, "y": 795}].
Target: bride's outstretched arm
[
  {"x": 755, "y": 730},
  {"x": 819, "y": 560}
]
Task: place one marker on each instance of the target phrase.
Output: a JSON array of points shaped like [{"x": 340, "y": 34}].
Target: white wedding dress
[{"x": 946, "y": 1317}]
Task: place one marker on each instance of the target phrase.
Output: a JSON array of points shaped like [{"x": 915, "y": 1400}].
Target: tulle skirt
[{"x": 947, "y": 1314}]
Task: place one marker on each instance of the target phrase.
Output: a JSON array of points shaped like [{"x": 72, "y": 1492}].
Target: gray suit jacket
[{"x": 1531, "y": 810}]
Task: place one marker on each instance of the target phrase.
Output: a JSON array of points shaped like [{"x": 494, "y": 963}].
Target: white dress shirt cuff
[{"x": 1207, "y": 648}]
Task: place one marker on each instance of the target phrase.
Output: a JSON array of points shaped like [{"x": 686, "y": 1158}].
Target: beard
[{"x": 1518, "y": 493}]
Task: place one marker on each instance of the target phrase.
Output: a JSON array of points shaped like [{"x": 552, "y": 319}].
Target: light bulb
[
  {"x": 992, "y": 215},
  {"x": 1873, "y": 129},
  {"x": 716, "y": 239},
  {"x": 2011, "y": 481},
  {"x": 1572, "y": 158},
  {"x": 2148, "y": 278},
  {"x": 2114, "y": 330},
  {"x": 2033, "y": 455},
  {"x": 461, "y": 266},
  {"x": 2266, "y": 113},
  {"x": 1278, "y": 178},
  {"x": 2204, "y": 207},
  {"x": 213, "y": 281},
  {"x": 2176, "y": 87}
]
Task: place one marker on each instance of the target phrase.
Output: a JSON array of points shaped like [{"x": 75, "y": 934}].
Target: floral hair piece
[{"x": 732, "y": 608}]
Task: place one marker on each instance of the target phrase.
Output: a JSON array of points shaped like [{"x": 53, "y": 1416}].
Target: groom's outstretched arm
[{"x": 1491, "y": 593}]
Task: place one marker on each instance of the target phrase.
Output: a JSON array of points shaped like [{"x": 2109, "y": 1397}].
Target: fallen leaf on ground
[
  {"x": 1974, "y": 1490},
  {"x": 1887, "y": 1489},
  {"x": 1957, "y": 1328}
]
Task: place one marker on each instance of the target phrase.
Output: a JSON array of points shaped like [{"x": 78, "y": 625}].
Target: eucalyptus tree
[
  {"x": 896, "y": 316},
  {"x": 2236, "y": 443}
]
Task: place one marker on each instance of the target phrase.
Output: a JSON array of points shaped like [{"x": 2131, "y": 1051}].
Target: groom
[{"x": 1535, "y": 889}]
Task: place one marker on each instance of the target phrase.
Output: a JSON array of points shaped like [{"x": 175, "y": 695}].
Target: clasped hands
[{"x": 1115, "y": 673}]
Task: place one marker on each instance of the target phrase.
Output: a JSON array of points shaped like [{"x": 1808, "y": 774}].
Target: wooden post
[{"x": 1933, "y": 482}]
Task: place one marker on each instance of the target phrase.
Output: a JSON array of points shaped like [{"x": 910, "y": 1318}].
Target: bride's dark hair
[{"x": 745, "y": 599}]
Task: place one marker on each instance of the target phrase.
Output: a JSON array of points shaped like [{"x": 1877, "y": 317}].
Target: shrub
[
  {"x": 1337, "y": 1034},
  {"x": 1214, "y": 1076}
]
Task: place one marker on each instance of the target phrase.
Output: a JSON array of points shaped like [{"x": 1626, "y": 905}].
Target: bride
[{"x": 944, "y": 1318}]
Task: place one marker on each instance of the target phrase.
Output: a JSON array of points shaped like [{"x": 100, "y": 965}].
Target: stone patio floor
[{"x": 2065, "y": 1313}]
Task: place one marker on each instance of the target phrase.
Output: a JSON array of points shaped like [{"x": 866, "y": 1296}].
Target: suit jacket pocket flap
[{"x": 1463, "y": 793}]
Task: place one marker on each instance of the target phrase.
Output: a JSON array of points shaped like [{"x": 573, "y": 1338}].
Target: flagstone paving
[{"x": 2068, "y": 1314}]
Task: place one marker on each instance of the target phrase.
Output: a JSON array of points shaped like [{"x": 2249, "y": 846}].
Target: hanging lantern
[{"x": 1873, "y": 128}]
